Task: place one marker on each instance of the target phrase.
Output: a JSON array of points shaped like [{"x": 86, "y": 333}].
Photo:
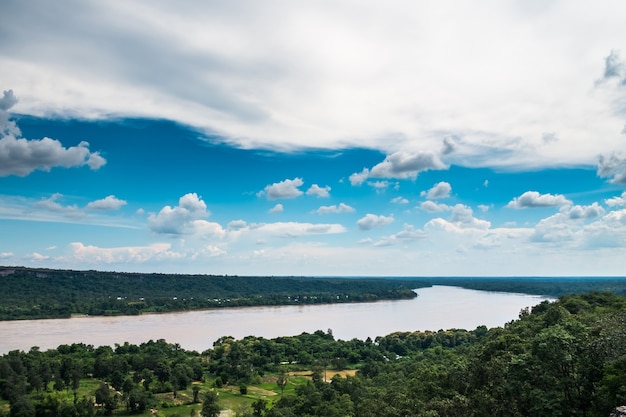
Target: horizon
[
  {"x": 365, "y": 277},
  {"x": 287, "y": 139}
]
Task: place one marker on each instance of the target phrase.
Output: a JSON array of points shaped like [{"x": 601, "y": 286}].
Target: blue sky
[{"x": 329, "y": 138}]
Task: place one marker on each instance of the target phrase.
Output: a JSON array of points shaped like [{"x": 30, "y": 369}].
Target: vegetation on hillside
[
  {"x": 563, "y": 358},
  {"x": 47, "y": 293},
  {"x": 548, "y": 286}
]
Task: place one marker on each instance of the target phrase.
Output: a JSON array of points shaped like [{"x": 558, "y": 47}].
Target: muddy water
[{"x": 439, "y": 307}]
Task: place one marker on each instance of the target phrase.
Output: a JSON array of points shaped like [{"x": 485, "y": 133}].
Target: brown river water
[{"x": 438, "y": 307}]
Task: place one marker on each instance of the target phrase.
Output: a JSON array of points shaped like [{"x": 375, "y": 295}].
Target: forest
[
  {"x": 47, "y": 293},
  {"x": 561, "y": 358}
]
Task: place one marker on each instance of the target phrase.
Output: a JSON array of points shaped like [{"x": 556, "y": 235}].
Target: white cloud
[
  {"x": 20, "y": 156},
  {"x": 7, "y": 101},
  {"x": 247, "y": 69},
  {"x": 616, "y": 201},
  {"x": 237, "y": 225},
  {"x": 439, "y": 190},
  {"x": 179, "y": 219},
  {"x": 93, "y": 255},
  {"x": 580, "y": 225},
  {"x": 296, "y": 229},
  {"x": 583, "y": 212},
  {"x": 278, "y": 208},
  {"x": 6, "y": 255},
  {"x": 379, "y": 186},
  {"x": 108, "y": 203},
  {"x": 399, "y": 200},
  {"x": 52, "y": 204},
  {"x": 407, "y": 234},
  {"x": 341, "y": 208},
  {"x": 359, "y": 178},
  {"x": 461, "y": 218},
  {"x": 484, "y": 208},
  {"x": 613, "y": 167},
  {"x": 213, "y": 251},
  {"x": 401, "y": 165},
  {"x": 369, "y": 221},
  {"x": 464, "y": 215},
  {"x": 432, "y": 207},
  {"x": 37, "y": 257},
  {"x": 282, "y": 190},
  {"x": 318, "y": 191},
  {"x": 205, "y": 230},
  {"x": 532, "y": 199},
  {"x": 607, "y": 232}
]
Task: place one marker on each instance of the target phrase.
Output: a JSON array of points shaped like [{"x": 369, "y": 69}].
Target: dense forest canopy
[{"x": 558, "y": 359}]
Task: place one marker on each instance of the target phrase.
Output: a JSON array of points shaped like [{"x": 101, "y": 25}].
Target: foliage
[{"x": 46, "y": 293}]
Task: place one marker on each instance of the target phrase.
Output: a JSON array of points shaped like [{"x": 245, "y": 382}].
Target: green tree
[
  {"x": 195, "y": 390},
  {"x": 23, "y": 407},
  {"x": 281, "y": 381},
  {"x": 259, "y": 407},
  {"x": 210, "y": 407}
]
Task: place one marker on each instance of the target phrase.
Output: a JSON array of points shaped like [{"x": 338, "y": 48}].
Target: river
[{"x": 438, "y": 307}]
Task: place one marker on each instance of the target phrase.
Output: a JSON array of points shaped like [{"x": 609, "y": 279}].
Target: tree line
[
  {"x": 563, "y": 358},
  {"x": 47, "y": 293}
]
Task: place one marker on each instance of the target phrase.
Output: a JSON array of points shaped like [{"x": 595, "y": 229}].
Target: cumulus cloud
[
  {"x": 399, "y": 200},
  {"x": 8, "y": 100},
  {"x": 439, "y": 190},
  {"x": 583, "y": 212},
  {"x": 283, "y": 190},
  {"x": 613, "y": 167},
  {"x": 179, "y": 219},
  {"x": 616, "y": 201},
  {"x": 37, "y": 257},
  {"x": 318, "y": 191},
  {"x": 400, "y": 165},
  {"x": 359, "y": 178},
  {"x": 108, "y": 203},
  {"x": 6, "y": 255},
  {"x": 461, "y": 219},
  {"x": 370, "y": 221},
  {"x": 532, "y": 199},
  {"x": 278, "y": 208},
  {"x": 403, "y": 165},
  {"x": 464, "y": 215},
  {"x": 432, "y": 207},
  {"x": 379, "y": 186},
  {"x": 20, "y": 156},
  {"x": 575, "y": 224},
  {"x": 237, "y": 225},
  {"x": 608, "y": 232},
  {"x": 341, "y": 208}
]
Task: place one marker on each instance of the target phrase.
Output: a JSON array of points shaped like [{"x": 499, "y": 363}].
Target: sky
[{"x": 322, "y": 138}]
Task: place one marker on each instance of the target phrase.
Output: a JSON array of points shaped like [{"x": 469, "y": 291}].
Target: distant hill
[{"x": 548, "y": 286}]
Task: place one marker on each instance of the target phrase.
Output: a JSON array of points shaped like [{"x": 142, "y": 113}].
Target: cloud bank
[{"x": 266, "y": 76}]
